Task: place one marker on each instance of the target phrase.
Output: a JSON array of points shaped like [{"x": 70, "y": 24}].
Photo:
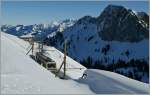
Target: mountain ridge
[{"x": 92, "y": 45}]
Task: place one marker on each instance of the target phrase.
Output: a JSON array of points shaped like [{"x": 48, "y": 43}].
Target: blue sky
[{"x": 35, "y": 12}]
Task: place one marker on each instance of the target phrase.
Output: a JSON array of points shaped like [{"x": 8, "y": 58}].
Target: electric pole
[{"x": 65, "y": 53}]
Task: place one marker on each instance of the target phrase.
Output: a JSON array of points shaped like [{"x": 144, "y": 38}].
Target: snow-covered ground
[
  {"x": 105, "y": 82},
  {"x": 22, "y": 75}
]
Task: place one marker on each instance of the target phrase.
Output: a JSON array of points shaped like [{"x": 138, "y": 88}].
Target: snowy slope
[
  {"x": 56, "y": 55},
  {"x": 21, "y": 75},
  {"x": 105, "y": 82},
  {"x": 74, "y": 70}
]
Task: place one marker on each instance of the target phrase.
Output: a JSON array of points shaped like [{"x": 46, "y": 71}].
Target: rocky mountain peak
[
  {"x": 113, "y": 10},
  {"x": 143, "y": 16},
  {"x": 120, "y": 24},
  {"x": 86, "y": 19}
]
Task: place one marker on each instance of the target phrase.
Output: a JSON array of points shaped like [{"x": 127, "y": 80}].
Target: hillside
[{"x": 22, "y": 75}]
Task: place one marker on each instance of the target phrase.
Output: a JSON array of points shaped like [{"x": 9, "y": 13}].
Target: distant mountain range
[
  {"x": 117, "y": 40},
  {"x": 40, "y": 29}
]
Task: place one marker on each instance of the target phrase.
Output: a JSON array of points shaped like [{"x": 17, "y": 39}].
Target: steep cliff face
[
  {"x": 144, "y": 17},
  {"x": 121, "y": 24}
]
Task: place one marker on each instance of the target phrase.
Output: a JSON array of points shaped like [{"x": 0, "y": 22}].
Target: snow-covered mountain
[
  {"x": 41, "y": 30},
  {"x": 22, "y": 75},
  {"x": 117, "y": 36},
  {"x": 121, "y": 24}
]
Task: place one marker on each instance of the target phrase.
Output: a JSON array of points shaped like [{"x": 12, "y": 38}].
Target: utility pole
[
  {"x": 65, "y": 53},
  {"x": 40, "y": 46},
  {"x": 64, "y": 61},
  {"x": 31, "y": 41},
  {"x": 32, "y": 46}
]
